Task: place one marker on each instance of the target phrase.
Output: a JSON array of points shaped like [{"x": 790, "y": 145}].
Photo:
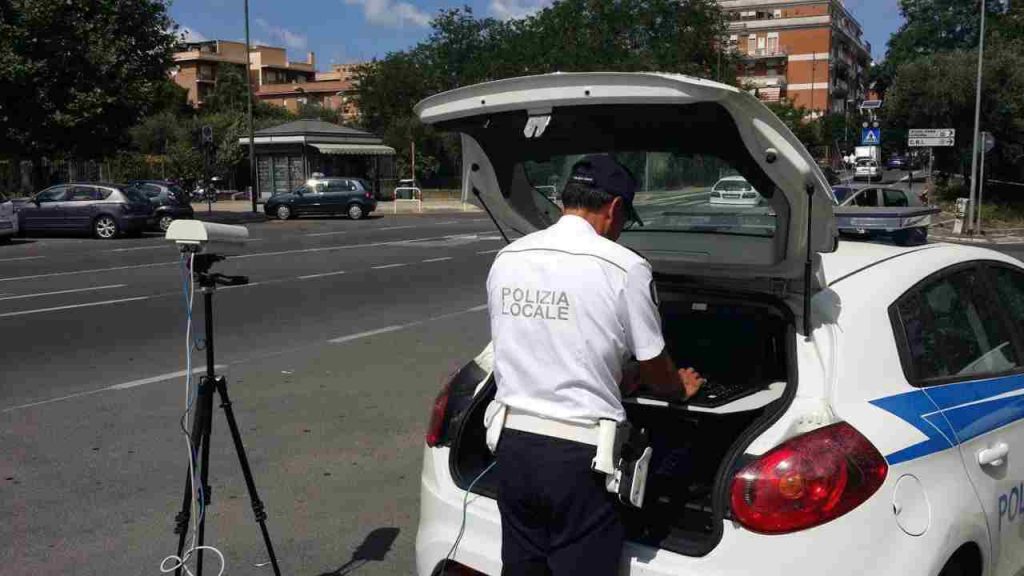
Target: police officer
[{"x": 568, "y": 308}]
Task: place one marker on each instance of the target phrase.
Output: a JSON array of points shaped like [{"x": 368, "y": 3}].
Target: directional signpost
[{"x": 931, "y": 137}]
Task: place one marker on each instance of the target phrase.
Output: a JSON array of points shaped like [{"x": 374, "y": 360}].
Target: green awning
[{"x": 355, "y": 149}]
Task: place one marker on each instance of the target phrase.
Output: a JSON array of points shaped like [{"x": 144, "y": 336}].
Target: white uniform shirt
[{"x": 568, "y": 307}]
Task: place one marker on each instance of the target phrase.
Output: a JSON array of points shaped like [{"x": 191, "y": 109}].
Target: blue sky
[{"x": 341, "y": 31}]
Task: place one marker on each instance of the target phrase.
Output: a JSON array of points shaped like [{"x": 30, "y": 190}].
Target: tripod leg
[
  {"x": 197, "y": 440},
  {"x": 257, "y": 504},
  {"x": 206, "y": 399}
]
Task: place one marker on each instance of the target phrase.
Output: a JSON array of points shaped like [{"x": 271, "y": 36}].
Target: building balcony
[
  {"x": 762, "y": 81},
  {"x": 765, "y": 54},
  {"x": 738, "y": 26}
]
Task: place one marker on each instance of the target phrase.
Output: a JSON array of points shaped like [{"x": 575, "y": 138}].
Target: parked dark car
[
  {"x": 102, "y": 209},
  {"x": 899, "y": 163},
  {"x": 324, "y": 196},
  {"x": 170, "y": 202}
]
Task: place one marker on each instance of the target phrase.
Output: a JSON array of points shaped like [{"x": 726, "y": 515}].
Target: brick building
[
  {"x": 811, "y": 52},
  {"x": 275, "y": 79}
]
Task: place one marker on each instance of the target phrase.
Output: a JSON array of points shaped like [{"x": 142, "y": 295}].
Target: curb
[{"x": 990, "y": 240}]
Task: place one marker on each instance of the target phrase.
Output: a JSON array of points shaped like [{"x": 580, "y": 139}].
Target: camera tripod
[{"x": 202, "y": 420}]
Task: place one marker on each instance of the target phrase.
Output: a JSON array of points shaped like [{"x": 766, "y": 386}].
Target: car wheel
[
  {"x": 165, "y": 222},
  {"x": 283, "y": 212},
  {"x": 355, "y": 212},
  {"x": 104, "y": 227},
  {"x": 911, "y": 236}
]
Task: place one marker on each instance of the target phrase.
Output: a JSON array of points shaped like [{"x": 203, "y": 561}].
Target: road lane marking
[
  {"x": 489, "y": 251},
  {"x": 329, "y": 233},
  {"x": 394, "y": 228},
  {"x": 446, "y": 222},
  {"x": 161, "y": 378},
  {"x": 123, "y": 386},
  {"x": 367, "y": 334},
  {"x": 336, "y": 247},
  {"x": 397, "y": 327},
  {"x": 86, "y": 305},
  {"x": 21, "y": 258},
  {"x": 74, "y": 272},
  {"x": 387, "y": 266},
  {"x": 158, "y": 247},
  {"x": 62, "y": 292},
  {"x": 323, "y": 275},
  {"x": 442, "y": 259},
  {"x": 239, "y": 257}
]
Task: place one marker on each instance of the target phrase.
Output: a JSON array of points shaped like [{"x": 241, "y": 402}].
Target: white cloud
[
  {"x": 508, "y": 9},
  {"x": 391, "y": 13},
  {"x": 293, "y": 40},
  {"x": 189, "y": 35}
]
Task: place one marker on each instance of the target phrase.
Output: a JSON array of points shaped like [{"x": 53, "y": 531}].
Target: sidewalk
[
  {"x": 943, "y": 232},
  {"x": 240, "y": 211}
]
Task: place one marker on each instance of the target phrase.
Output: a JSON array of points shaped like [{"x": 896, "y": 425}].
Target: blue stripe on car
[{"x": 954, "y": 413}]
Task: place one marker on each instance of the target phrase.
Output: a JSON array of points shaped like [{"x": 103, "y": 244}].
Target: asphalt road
[{"x": 333, "y": 354}]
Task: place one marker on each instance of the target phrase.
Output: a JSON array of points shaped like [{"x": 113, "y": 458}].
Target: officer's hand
[{"x": 691, "y": 380}]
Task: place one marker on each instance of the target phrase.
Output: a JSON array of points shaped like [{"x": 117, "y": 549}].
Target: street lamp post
[
  {"x": 977, "y": 127},
  {"x": 252, "y": 138}
]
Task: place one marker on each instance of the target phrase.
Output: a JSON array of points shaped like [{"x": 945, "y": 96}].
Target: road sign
[
  {"x": 930, "y": 142},
  {"x": 989, "y": 140},
  {"x": 870, "y": 104},
  {"x": 932, "y": 133},
  {"x": 870, "y": 136},
  {"x": 207, "y": 132}
]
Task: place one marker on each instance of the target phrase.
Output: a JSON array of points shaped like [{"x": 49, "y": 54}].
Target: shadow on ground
[{"x": 374, "y": 548}]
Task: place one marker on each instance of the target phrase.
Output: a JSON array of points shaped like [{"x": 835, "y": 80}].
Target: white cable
[
  {"x": 198, "y": 499},
  {"x": 462, "y": 527}
]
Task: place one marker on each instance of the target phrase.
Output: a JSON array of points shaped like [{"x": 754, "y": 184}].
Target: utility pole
[
  {"x": 252, "y": 139},
  {"x": 977, "y": 127}
]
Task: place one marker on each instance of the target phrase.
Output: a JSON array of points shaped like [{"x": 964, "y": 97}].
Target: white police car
[{"x": 873, "y": 428}]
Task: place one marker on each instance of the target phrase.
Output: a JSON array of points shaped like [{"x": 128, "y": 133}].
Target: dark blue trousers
[{"x": 557, "y": 518}]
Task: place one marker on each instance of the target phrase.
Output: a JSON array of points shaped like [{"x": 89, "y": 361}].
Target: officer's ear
[{"x": 611, "y": 207}]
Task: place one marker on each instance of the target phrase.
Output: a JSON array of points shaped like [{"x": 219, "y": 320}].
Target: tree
[
  {"x": 939, "y": 92},
  {"x": 936, "y": 26},
  {"x": 75, "y": 75},
  {"x": 569, "y": 35}
]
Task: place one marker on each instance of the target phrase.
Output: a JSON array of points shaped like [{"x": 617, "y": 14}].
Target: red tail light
[
  {"x": 368, "y": 195},
  {"x": 437, "y": 413},
  {"x": 807, "y": 481}
]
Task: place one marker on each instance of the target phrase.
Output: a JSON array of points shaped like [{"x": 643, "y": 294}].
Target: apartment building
[
  {"x": 197, "y": 65},
  {"x": 276, "y": 80},
  {"x": 811, "y": 52}
]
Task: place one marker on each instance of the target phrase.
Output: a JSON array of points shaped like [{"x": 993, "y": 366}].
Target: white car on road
[
  {"x": 873, "y": 394},
  {"x": 734, "y": 191},
  {"x": 868, "y": 169},
  {"x": 8, "y": 219}
]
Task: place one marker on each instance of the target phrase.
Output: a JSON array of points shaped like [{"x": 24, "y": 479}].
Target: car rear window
[
  {"x": 673, "y": 191},
  {"x": 134, "y": 195},
  {"x": 732, "y": 186},
  {"x": 841, "y": 193}
]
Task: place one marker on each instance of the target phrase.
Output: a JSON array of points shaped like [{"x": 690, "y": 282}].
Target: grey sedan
[{"x": 104, "y": 210}]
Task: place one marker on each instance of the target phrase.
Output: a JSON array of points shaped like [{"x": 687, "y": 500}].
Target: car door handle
[{"x": 994, "y": 456}]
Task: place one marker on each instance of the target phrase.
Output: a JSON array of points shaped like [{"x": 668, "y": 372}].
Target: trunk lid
[{"x": 678, "y": 135}]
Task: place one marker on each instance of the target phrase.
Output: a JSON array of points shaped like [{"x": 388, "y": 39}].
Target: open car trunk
[{"x": 745, "y": 339}]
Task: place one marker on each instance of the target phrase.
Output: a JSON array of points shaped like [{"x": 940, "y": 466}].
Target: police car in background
[{"x": 869, "y": 397}]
